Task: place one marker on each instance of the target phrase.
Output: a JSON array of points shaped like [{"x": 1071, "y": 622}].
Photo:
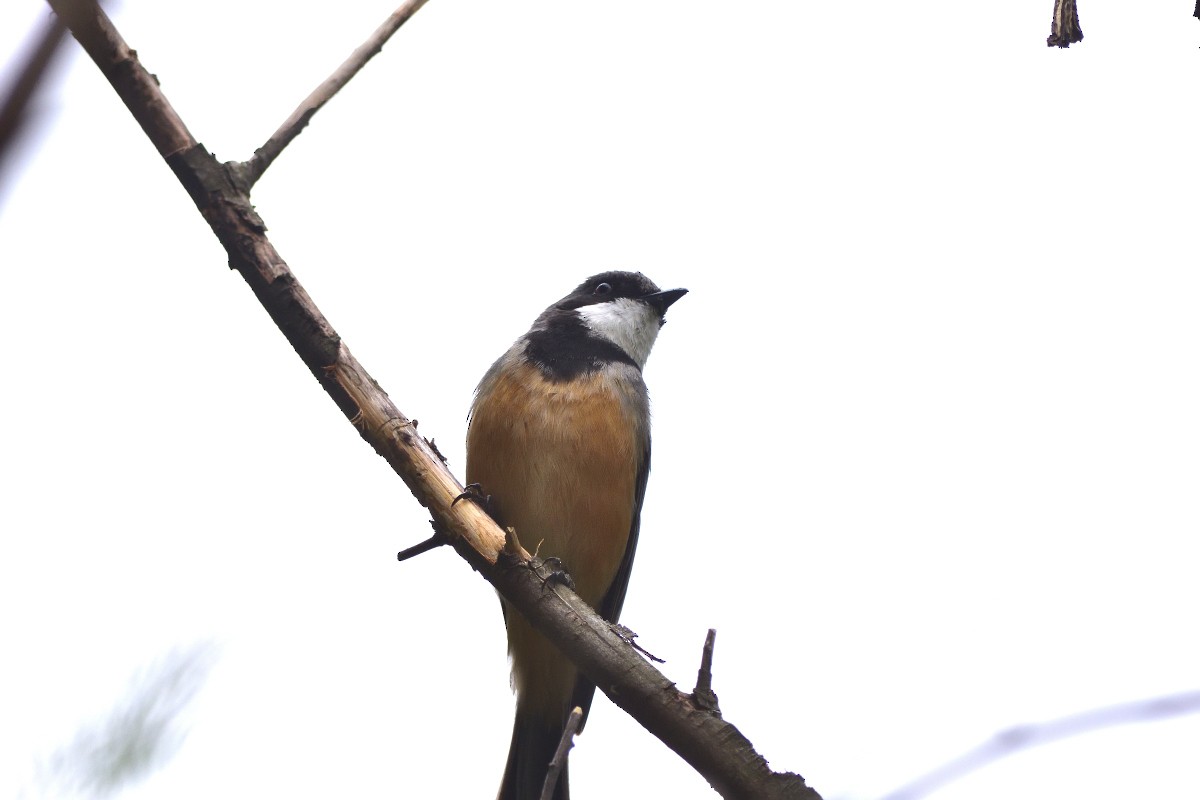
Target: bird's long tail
[{"x": 529, "y": 755}]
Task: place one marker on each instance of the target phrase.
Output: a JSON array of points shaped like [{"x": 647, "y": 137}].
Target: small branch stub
[
  {"x": 703, "y": 695},
  {"x": 437, "y": 540}
]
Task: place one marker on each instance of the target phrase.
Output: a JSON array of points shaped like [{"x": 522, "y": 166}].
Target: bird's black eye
[{"x": 602, "y": 288}]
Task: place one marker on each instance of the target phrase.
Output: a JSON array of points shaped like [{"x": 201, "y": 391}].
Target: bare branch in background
[
  {"x": 15, "y": 103},
  {"x": 141, "y": 733},
  {"x": 1022, "y": 737}
]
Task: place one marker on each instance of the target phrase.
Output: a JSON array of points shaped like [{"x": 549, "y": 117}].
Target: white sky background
[{"x": 926, "y": 430}]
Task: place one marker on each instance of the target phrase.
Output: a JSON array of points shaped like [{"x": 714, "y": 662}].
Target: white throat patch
[{"x": 629, "y": 324}]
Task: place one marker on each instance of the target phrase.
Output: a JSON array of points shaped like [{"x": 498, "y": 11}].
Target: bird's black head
[
  {"x": 616, "y": 285},
  {"x": 610, "y": 317}
]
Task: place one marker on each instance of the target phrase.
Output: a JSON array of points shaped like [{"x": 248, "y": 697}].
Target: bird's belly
[{"x": 561, "y": 465}]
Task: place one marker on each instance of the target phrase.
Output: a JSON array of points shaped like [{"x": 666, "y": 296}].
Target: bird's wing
[{"x": 614, "y": 598}]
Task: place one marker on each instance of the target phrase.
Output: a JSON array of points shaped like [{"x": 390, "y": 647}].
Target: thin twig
[
  {"x": 248, "y": 172},
  {"x": 1007, "y": 742},
  {"x": 559, "y": 762}
]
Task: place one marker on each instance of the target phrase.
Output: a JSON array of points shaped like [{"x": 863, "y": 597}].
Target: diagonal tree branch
[
  {"x": 715, "y": 748},
  {"x": 248, "y": 172}
]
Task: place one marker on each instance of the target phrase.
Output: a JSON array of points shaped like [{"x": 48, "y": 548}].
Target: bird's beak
[{"x": 661, "y": 301}]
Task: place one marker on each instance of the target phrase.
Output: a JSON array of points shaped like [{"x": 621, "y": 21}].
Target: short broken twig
[
  {"x": 565, "y": 742},
  {"x": 437, "y": 540},
  {"x": 703, "y": 695}
]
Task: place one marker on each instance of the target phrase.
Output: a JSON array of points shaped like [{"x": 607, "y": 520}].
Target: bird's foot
[
  {"x": 556, "y": 573},
  {"x": 474, "y": 492}
]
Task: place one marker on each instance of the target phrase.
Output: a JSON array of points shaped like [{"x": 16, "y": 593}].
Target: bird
[{"x": 558, "y": 439}]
